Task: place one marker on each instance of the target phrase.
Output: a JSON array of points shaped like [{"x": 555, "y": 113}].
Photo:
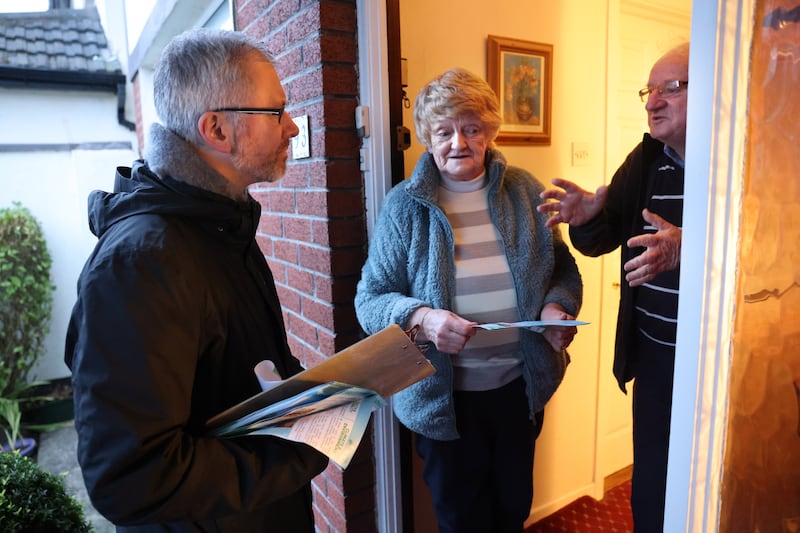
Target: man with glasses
[
  {"x": 176, "y": 305},
  {"x": 641, "y": 211}
]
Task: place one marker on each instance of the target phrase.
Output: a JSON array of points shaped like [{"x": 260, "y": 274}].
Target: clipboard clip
[{"x": 412, "y": 335}]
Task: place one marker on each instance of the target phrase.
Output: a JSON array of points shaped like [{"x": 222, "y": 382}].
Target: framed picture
[{"x": 521, "y": 74}]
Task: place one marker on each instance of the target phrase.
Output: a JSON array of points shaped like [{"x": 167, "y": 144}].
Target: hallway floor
[{"x": 612, "y": 514}]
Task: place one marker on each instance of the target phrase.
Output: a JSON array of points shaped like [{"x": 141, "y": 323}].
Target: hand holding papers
[{"x": 328, "y": 406}]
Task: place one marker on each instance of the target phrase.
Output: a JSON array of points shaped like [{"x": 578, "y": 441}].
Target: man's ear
[{"x": 216, "y": 130}]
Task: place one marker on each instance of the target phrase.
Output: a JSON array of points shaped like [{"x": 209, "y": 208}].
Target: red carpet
[{"x": 612, "y": 514}]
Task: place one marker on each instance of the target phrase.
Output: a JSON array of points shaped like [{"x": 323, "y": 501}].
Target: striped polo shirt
[{"x": 657, "y": 300}]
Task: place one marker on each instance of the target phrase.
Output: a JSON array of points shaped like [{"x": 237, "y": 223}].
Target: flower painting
[
  {"x": 521, "y": 80},
  {"x": 520, "y": 72}
]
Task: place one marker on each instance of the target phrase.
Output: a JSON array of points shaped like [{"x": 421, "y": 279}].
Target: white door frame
[
  {"x": 716, "y": 127},
  {"x": 376, "y": 164}
]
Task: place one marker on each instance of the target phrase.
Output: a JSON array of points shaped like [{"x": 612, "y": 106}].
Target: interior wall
[{"x": 436, "y": 37}]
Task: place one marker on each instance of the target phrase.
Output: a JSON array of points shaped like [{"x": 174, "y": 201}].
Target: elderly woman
[{"x": 458, "y": 244}]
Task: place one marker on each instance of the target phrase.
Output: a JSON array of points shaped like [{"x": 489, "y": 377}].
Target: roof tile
[{"x": 58, "y": 39}]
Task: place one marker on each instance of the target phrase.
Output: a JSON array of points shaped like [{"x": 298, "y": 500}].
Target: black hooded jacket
[{"x": 175, "y": 306}]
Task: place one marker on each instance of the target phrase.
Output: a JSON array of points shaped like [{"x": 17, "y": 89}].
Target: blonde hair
[{"x": 454, "y": 93}]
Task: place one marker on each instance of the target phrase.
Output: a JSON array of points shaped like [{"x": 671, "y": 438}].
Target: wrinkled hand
[
  {"x": 663, "y": 251},
  {"x": 559, "y": 337},
  {"x": 573, "y": 205},
  {"x": 446, "y": 330}
]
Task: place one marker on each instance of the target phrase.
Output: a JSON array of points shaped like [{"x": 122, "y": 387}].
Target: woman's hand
[
  {"x": 446, "y": 330},
  {"x": 559, "y": 337}
]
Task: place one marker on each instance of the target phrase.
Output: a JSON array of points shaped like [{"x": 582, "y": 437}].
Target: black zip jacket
[
  {"x": 621, "y": 219},
  {"x": 175, "y": 306}
]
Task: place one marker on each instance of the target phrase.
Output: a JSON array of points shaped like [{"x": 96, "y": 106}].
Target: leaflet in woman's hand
[{"x": 535, "y": 325}]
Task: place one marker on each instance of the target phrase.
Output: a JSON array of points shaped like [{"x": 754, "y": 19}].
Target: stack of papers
[{"x": 328, "y": 406}]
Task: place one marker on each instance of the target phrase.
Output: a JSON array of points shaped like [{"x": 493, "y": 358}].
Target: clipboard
[{"x": 385, "y": 362}]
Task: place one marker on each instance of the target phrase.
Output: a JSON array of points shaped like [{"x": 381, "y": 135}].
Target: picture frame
[{"x": 521, "y": 75}]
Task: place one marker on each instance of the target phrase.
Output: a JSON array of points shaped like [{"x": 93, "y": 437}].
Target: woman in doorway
[{"x": 458, "y": 244}]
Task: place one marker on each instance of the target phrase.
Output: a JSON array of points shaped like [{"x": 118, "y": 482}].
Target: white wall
[{"x": 53, "y": 183}]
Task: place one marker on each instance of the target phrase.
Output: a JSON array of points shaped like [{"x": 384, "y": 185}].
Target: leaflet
[
  {"x": 328, "y": 406},
  {"x": 331, "y": 418},
  {"x": 536, "y": 325}
]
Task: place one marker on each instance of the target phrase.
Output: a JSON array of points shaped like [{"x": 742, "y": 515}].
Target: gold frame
[{"x": 525, "y": 104}]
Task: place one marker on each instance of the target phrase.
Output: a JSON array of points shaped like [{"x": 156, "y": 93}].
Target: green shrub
[
  {"x": 34, "y": 500},
  {"x": 26, "y": 296}
]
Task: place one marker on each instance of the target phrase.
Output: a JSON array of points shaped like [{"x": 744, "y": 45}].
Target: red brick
[
  {"x": 283, "y": 10},
  {"x": 339, "y": 232},
  {"x": 277, "y": 43},
  {"x": 335, "y": 495},
  {"x": 338, "y": 47},
  {"x": 271, "y": 225},
  {"x": 336, "y": 143},
  {"x": 289, "y": 298},
  {"x": 297, "y": 228},
  {"x": 289, "y": 63},
  {"x": 259, "y": 195},
  {"x": 303, "y": 329},
  {"x": 312, "y": 203},
  {"x": 286, "y": 251},
  {"x": 259, "y": 28},
  {"x": 248, "y": 11},
  {"x": 307, "y": 85},
  {"x": 327, "y": 343},
  {"x": 300, "y": 280},
  {"x": 314, "y": 258},
  {"x": 304, "y": 24},
  {"x": 296, "y": 174},
  {"x": 340, "y": 112},
  {"x": 345, "y": 203},
  {"x": 318, "y": 312},
  {"x": 340, "y": 16},
  {"x": 281, "y": 201},
  {"x": 345, "y": 261},
  {"x": 279, "y": 273},
  {"x": 265, "y": 243},
  {"x": 314, "y": 357},
  {"x": 323, "y": 288},
  {"x": 341, "y": 80},
  {"x": 333, "y": 516}
]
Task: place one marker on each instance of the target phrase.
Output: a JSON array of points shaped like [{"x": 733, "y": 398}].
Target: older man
[
  {"x": 176, "y": 305},
  {"x": 641, "y": 211}
]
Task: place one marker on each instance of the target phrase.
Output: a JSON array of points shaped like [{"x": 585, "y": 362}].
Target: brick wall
[{"x": 313, "y": 230}]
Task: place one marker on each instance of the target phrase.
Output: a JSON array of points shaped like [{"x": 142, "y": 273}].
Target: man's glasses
[
  {"x": 277, "y": 111},
  {"x": 667, "y": 89}
]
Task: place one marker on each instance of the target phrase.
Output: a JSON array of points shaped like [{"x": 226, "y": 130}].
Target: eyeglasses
[
  {"x": 277, "y": 111},
  {"x": 667, "y": 89}
]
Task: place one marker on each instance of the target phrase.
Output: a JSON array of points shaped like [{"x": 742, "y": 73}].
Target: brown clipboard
[{"x": 385, "y": 362}]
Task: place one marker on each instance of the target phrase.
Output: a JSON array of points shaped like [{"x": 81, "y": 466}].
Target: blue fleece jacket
[{"x": 411, "y": 265}]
